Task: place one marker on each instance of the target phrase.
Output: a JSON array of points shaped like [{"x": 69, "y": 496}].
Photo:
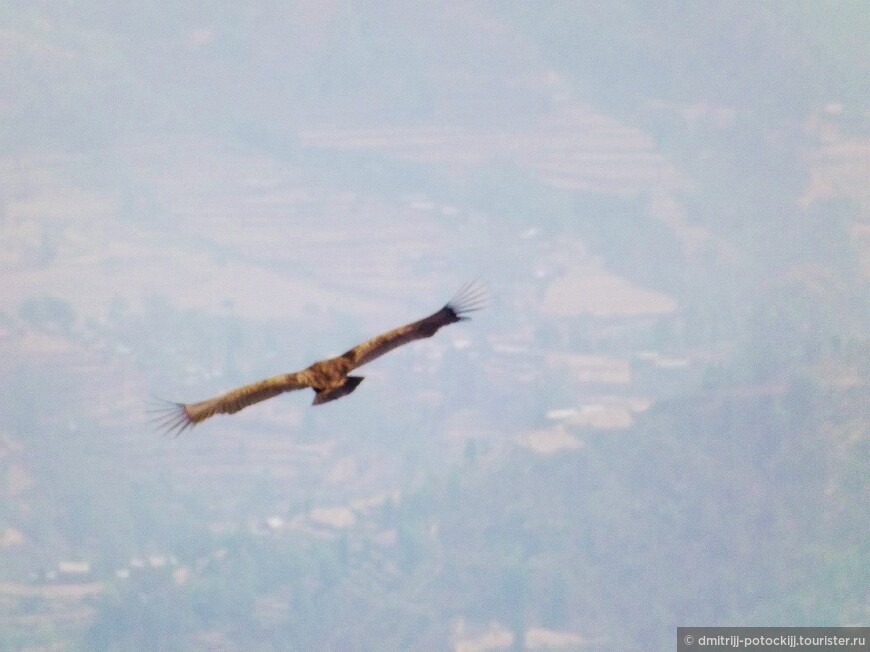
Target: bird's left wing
[
  {"x": 177, "y": 417},
  {"x": 471, "y": 298}
]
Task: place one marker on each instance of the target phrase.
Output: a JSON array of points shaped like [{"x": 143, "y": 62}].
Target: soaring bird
[{"x": 328, "y": 378}]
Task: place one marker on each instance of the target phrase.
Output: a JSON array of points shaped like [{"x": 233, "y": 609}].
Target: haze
[{"x": 660, "y": 419}]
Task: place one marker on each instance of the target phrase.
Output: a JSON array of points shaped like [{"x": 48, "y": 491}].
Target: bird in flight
[{"x": 329, "y": 378}]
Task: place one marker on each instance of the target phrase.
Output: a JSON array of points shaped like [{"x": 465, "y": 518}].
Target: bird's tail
[{"x": 327, "y": 395}]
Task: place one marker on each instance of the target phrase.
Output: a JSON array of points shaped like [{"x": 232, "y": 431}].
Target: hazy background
[{"x": 660, "y": 420}]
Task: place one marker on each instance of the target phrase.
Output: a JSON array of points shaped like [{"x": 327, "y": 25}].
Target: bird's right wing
[{"x": 177, "y": 417}]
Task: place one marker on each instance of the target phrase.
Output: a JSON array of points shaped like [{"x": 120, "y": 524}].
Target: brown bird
[{"x": 328, "y": 378}]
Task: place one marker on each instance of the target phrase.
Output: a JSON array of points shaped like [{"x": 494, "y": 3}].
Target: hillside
[{"x": 659, "y": 420}]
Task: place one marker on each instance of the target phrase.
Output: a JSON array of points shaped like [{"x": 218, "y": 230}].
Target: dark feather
[{"x": 471, "y": 298}]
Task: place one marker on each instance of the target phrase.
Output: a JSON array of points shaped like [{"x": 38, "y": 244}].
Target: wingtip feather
[
  {"x": 471, "y": 298},
  {"x": 170, "y": 417}
]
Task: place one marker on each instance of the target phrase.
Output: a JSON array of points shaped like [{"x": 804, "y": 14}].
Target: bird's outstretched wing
[
  {"x": 469, "y": 299},
  {"x": 175, "y": 418},
  {"x": 328, "y": 378}
]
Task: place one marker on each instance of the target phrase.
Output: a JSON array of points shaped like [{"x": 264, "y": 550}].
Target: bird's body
[{"x": 329, "y": 378}]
